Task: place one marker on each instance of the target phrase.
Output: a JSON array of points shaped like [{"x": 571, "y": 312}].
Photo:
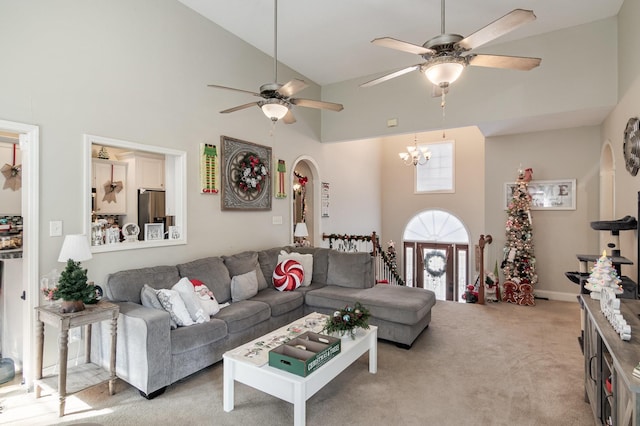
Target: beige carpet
[{"x": 494, "y": 364}]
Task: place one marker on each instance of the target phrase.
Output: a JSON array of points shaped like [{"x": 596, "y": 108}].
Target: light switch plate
[
  {"x": 277, "y": 220},
  {"x": 55, "y": 228}
]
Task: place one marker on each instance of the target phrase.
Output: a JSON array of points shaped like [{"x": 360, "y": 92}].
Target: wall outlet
[{"x": 75, "y": 334}]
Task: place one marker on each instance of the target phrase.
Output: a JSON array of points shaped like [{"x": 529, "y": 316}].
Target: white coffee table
[{"x": 292, "y": 388}]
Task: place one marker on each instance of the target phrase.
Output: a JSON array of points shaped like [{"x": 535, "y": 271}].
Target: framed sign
[
  {"x": 546, "y": 194},
  {"x": 325, "y": 199},
  {"x": 246, "y": 175}
]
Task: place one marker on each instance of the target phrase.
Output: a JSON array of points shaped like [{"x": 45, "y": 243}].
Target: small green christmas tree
[{"x": 73, "y": 286}]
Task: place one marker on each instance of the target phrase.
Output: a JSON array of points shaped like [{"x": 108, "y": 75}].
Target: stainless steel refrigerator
[{"x": 151, "y": 209}]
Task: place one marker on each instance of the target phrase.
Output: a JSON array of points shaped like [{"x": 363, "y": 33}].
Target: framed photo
[
  {"x": 113, "y": 235},
  {"x": 246, "y": 175},
  {"x": 153, "y": 231},
  {"x": 546, "y": 194},
  {"x": 175, "y": 233}
]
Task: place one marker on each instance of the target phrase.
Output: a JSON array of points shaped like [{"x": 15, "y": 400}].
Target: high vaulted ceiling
[{"x": 328, "y": 41}]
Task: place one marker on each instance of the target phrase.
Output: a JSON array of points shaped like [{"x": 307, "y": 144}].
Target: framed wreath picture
[{"x": 246, "y": 175}]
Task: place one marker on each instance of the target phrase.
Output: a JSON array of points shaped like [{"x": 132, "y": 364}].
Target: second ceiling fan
[
  {"x": 445, "y": 54},
  {"x": 277, "y": 98}
]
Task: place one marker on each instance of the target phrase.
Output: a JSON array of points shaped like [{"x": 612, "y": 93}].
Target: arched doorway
[
  {"x": 436, "y": 254},
  {"x": 305, "y": 190}
]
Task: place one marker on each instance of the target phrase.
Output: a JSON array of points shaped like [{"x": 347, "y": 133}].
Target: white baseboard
[{"x": 556, "y": 295}]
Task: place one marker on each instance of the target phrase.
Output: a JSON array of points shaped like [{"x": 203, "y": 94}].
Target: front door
[{"x": 439, "y": 267}]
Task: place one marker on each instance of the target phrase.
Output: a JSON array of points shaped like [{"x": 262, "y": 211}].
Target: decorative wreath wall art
[{"x": 246, "y": 175}]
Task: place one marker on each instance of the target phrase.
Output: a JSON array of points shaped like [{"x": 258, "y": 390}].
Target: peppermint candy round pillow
[{"x": 288, "y": 275}]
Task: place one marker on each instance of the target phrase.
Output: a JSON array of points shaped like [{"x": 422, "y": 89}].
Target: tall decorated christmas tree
[{"x": 519, "y": 264}]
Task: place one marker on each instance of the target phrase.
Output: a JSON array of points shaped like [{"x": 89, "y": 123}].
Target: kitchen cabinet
[
  {"x": 104, "y": 172},
  {"x": 146, "y": 169}
]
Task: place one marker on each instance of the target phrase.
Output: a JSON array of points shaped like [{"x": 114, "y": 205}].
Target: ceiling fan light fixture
[
  {"x": 274, "y": 109},
  {"x": 444, "y": 70}
]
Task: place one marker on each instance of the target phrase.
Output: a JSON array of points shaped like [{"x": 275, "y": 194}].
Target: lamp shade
[
  {"x": 274, "y": 109},
  {"x": 301, "y": 230},
  {"x": 75, "y": 247}
]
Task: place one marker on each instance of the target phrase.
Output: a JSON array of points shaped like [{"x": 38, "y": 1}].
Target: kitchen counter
[{"x": 11, "y": 254}]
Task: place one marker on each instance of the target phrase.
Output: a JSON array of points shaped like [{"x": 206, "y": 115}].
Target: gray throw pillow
[
  {"x": 149, "y": 299},
  {"x": 244, "y": 262},
  {"x": 244, "y": 286}
]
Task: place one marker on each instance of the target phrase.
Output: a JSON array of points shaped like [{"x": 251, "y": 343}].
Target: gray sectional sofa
[{"x": 151, "y": 355}]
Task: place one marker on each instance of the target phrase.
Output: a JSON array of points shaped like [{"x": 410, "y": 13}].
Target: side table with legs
[{"x": 86, "y": 374}]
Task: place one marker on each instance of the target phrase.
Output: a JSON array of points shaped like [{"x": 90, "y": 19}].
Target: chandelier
[{"x": 415, "y": 155}]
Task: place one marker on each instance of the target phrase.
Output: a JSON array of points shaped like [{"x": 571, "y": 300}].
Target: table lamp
[
  {"x": 75, "y": 247},
  {"x": 300, "y": 234}
]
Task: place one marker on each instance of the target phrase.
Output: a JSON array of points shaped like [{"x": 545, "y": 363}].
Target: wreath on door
[{"x": 435, "y": 263}]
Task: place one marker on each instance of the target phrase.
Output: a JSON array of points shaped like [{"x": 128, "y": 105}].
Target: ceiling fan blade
[
  {"x": 235, "y": 90},
  {"x": 509, "y": 62},
  {"x": 497, "y": 28},
  {"x": 239, "y": 107},
  {"x": 390, "y": 76},
  {"x": 392, "y": 43},
  {"x": 316, "y": 104},
  {"x": 289, "y": 118},
  {"x": 292, "y": 87}
]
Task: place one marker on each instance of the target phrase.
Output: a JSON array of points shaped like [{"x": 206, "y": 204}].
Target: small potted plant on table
[
  {"x": 73, "y": 288},
  {"x": 347, "y": 320}
]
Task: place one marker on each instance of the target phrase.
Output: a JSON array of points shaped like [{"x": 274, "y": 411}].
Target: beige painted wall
[
  {"x": 626, "y": 186},
  {"x": 558, "y": 235},
  {"x": 399, "y": 201},
  {"x": 138, "y": 71},
  {"x": 355, "y": 169}
]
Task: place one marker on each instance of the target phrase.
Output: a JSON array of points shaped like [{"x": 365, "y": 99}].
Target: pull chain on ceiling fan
[{"x": 277, "y": 98}]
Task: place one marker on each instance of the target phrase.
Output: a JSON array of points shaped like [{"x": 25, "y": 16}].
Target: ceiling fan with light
[
  {"x": 277, "y": 98},
  {"x": 445, "y": 54}
]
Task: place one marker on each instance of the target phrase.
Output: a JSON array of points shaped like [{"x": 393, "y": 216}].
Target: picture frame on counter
[
  {"x": 175, "y": 233},
  {"x": 153, "y": 231}
]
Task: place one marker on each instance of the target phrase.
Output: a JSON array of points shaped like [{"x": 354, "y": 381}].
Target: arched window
[{"x": 436, "y": 254}]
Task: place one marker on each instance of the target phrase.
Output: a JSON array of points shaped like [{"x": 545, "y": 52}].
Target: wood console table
[
  {"x": 610, "y": 387},
  {"x": 84, "y": 375}
]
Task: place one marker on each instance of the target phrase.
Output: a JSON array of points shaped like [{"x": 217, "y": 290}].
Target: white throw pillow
[
  {"x": 206, "y": 298},
  {"x": 190, "y": 299},
  {"x": 244, "y": 286},
  {"x": 172, "y": 303},
  {"x": 306, "y": 260}
]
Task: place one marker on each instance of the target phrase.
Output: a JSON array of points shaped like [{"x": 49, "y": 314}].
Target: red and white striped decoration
[{"x": 288, "y": 275}]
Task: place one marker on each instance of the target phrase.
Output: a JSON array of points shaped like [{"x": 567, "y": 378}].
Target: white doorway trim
[
  {"x": 315, "y": 174},
  {"x": 30, "y": 149}
]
